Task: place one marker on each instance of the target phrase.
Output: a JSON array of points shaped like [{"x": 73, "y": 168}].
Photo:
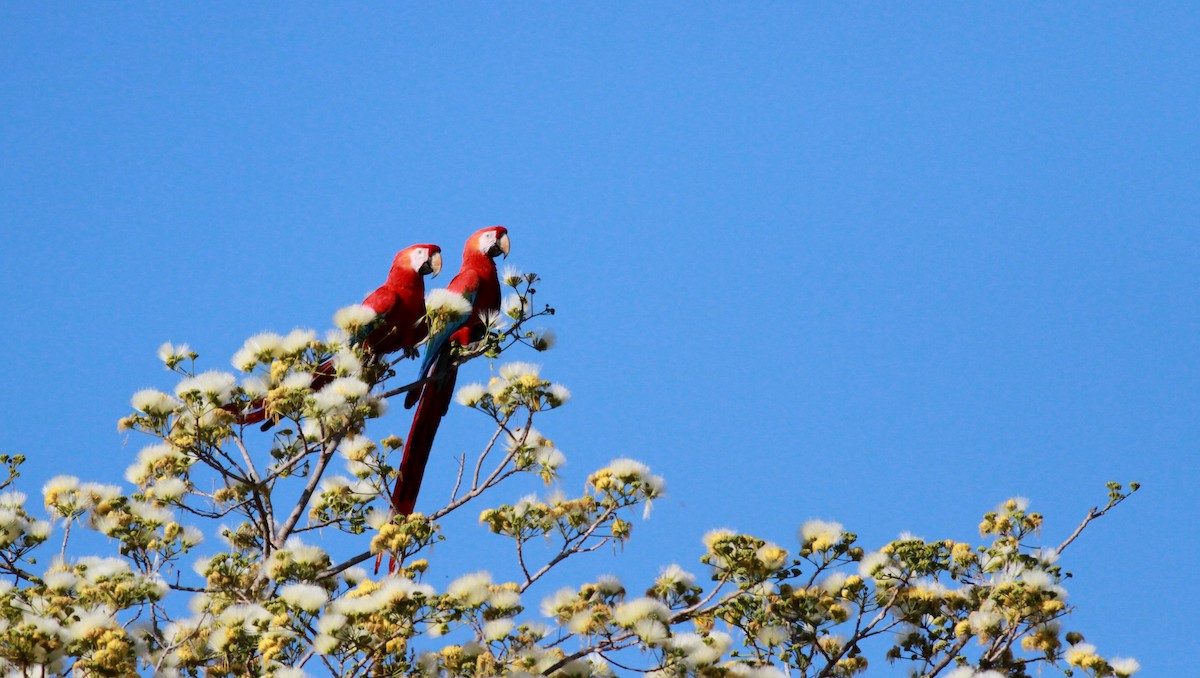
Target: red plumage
[
  {"x": 400, "y": 325},
  {"x": 478, "y": 281}
]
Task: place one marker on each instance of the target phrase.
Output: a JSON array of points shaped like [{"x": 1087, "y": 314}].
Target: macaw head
[
  {"x": 490, "y": 242},
  {"x": 419, "y": 259}
]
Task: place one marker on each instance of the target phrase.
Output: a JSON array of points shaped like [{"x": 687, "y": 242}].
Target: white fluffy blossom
[
  {"x": 169, "y": 352},
  {"x": 324, "y": 644},
  {"x": 651, "y": 631},
  {"x": 697, "y": 652},
  {"x": 558, "y": 394},
  {"x": 771, "y": 556},
  {"x": 142, "y": 468},
  {"x": 153, "y": 401},
  {"x": 515, "y": 370},
  {"x": 12, "y": 499},
  {"x": 307, "y": 597},
  {"x": 349, "y": 388},
  {"x": 259, "y": 348},
  {"x": 772, "y": 635},
  {"x": 504, "y": 599},
  {"x": 515, "y": 306},
  {"x": 470, "y": 394},
  {"x": 631, "y": 471},
  {"x": 304, "y": 553},
  {"x": 674, "y": 574},
  {"x": 609, "y": 584},
  {"x": 447, "y": 302},
  {"x": 834, "y": 582},
  {"x": 56, "y": 487},
  {"x": 548, "y": 456},
  {"x": 497, "y": 629},
  {"x": 1124, "y": 666},
  {"x": 558, "y": 600},
  {"x": 297, "y": 380},
  {"x": 96, "y": 569},
  {"x": 1077, "y": 653},
  {"x": 544, "y": 340},
  {"x": 872, "y": 563},
  {"x": 216, "y": 385},
  {"x": 983, "y": 620},
  {"x": 356, "y": 448},
  {"x": 354, "y": 316},
  {"x": 511, "y": 275},
  {"x": 167, "y": 489},
  {"x": 247, "y": 616},
  {"x": 346, "y": 362},
  {"x": 255, "y": 386},
  {"x": 297, "y": 340},
  {"x": 60, "y": 581},
  {"x": 331, "y": 623},
  {"x": 471, "y": 588},
  {"x": 820, "y": 534},
  {"x": 641, "y": 608},
  {"x": 150, "y": 514}
]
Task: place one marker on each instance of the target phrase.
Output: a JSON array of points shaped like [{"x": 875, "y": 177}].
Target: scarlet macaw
[
  {"x": 478, "y": 282},
  {"x": 399, "y": 304}
]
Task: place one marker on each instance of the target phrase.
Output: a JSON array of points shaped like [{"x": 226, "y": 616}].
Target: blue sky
[{"x": 881, "y": 264}]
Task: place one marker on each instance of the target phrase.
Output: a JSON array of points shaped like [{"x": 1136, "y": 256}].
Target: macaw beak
[
  {"x": 503, "y": 244},
  {"x": 435, "y": 264}
]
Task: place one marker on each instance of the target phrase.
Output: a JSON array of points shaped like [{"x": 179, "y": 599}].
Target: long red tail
[{"x": 435, "y": 400}]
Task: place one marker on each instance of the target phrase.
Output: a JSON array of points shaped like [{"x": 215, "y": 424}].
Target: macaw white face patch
[
  {"x": 486, "y": 240},
  {"x": 418, "y": 257}
]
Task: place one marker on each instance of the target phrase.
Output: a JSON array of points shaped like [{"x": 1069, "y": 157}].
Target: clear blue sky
[{"x": 881, "y": 264}]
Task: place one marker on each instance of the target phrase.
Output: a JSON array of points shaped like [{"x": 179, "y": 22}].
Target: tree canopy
[{"x": 237, "y": 552}]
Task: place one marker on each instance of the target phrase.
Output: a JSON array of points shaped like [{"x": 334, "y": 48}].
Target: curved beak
[
  {"x": 435, "y": 264},
  {"x": 504, "y": 245}
]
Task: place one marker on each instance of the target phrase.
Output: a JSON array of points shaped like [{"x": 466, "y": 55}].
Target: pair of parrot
[
  {"x": 399, "y": 325},
  {"x": 479, "y": 283}
]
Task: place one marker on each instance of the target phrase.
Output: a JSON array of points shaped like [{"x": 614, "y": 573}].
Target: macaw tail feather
[{"x": 435, "y": 399}]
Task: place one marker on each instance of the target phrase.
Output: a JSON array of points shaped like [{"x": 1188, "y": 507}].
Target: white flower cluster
[
  {"x": 511, "y": 275},
  {"x": 154, "y": 402},
  {"x": 268, "y": 346},
  {"x": 71, "y": 614},
  {"x": 701, "y": 650},
  {"x": 533, "y": 451},
  {"x": 443, "y": 306},
  {"x": 339, "y": 396},
  {"x": 217, "y": 387},
  {"x": 880, "y": 566},
  {"x": 161, "y": 460},
  {"x": 625, "y": 475},
  {"x": 515, "y": 306},
  {"x": 518, "y": 384},
  {"x": 820, "y": 535},
  {"x": 342, "y": 615},
  {"x": 353, "y": 317},
  {"x": 16, "y": 523},
  {"x": 173, "y": 354}
]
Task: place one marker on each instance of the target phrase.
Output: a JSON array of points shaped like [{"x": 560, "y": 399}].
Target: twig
[
  {"x": 322, "y": 462},
  {"x": 958, "y": 647}
]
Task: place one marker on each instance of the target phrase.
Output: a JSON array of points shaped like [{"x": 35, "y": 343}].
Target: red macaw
[
  {"x": 478, "y": 282},
  {"x": 399, "y": 304}
]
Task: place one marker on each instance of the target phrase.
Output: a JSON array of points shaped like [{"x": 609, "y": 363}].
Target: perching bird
[
  {"x": 399, "y": 305},
  {"x": 478, "y": 283}
]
